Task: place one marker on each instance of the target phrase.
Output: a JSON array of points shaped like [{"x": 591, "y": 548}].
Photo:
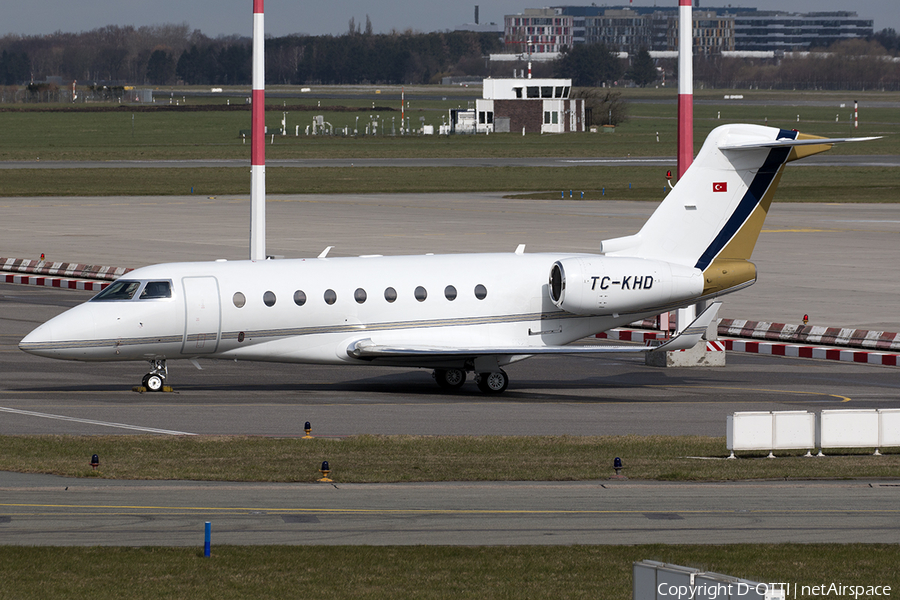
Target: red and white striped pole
[
  {"x": 258, "y": 138},
  {"x": 685, "y": 87},
  {"x": 855, "y": 114},
  {"x": 685, "y": 316}
]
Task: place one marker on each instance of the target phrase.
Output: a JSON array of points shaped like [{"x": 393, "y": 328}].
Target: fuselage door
[{"x": 202, "y": 315}]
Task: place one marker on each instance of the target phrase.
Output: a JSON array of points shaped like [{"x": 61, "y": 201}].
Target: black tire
[
  {"x": 450, "y": 379},
  {"x": 495, "y": 382},
  {"x": 153, "y": 383}
]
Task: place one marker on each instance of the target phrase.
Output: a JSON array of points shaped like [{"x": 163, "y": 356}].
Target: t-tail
[{"x": 712, "y": 218}]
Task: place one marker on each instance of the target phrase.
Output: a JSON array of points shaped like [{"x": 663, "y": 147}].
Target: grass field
[
  {"x": 799, "y": 184},
  {"x": 28, "y": 134},
  {"x": 169, "y": 134},
  {"x": 366, "y": 459},
  {"x": 370, "y": 572}
]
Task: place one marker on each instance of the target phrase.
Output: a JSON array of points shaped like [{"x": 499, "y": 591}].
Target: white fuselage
[{"x": 313, "y": 310}]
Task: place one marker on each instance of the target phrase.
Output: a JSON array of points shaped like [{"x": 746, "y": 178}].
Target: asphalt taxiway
[
  {"x": 49, "y": 510},
  {"x": 834, "y": 262}
]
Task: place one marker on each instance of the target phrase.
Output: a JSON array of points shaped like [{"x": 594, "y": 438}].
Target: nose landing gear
[{"x": 155, "y": 380}]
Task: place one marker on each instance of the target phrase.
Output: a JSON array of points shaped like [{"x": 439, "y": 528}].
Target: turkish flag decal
[{"x": 720, "y": 186}]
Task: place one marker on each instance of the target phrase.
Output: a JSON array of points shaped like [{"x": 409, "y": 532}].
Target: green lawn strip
[
  {"x": 799, "y": 184},
  {"x": 328, "y": 180},
  {"x": 171, "y": 135},
  {"x": 367, "y": 458},
  {"x": 330, "y": 572}
]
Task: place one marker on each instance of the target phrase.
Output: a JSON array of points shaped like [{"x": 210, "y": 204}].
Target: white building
[{"x": 532, "y": 105}]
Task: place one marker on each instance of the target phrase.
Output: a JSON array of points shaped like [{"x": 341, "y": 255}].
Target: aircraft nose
[
  {"x": 41, "y": 341},
  {"x": 59, "y": 337}
]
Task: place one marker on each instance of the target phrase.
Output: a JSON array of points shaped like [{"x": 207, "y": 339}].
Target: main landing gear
[
  {"x": 494, "y": 382},
  {"x": 156, "y": 378}
]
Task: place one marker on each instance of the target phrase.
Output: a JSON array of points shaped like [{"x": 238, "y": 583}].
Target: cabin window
[
  {"x": 119, "y": 290},
  {"x": 239, "y": 299},
  {"x": 480, "y": 292},
  {"x": 330, "y": 297},
  {"x": 450, "y": 292},
  {"x": 269, "y": 298},
  {"x": 533, "y": 91},
  {"x": 299, "y": 297},
  {"x": 359, "y": 295},
  {"x": 421, "y": 294},
  {"x": 156, "y": 289},
  {"x": 390, "y": 294}
]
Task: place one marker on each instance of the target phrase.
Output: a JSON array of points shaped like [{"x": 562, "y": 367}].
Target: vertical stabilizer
[{"x": 712, "y": 218}]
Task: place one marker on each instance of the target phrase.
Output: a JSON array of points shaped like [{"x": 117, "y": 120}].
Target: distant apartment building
[
  {"x": 713, "y": 33},
  {"x": 715, "y": 30},
  {"x": 771, "y": 30},
  {"x": 538, "y": 30}
]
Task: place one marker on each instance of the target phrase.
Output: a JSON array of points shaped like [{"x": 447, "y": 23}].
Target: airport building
[
  {"x": 526, "y": 105},
  {"x": 538, "y": 31},
  {"x": 629, "y": 29}
]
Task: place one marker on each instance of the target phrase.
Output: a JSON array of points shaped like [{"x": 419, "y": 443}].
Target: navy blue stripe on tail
[{"x": 767, "y": 172}]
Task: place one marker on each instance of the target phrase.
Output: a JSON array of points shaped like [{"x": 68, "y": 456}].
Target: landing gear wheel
[
  {"x": 450, "y": 379},
  {"x": 153, "y": 382},
  {"x": 494, "y": 382},
  {"x": 156, "y": 378}
]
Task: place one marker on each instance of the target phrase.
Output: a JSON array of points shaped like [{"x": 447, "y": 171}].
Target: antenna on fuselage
[{"x": 258, "y": 138}]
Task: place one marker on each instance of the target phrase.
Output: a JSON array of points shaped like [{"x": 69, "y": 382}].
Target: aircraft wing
[{"x": 367, "y": 349}]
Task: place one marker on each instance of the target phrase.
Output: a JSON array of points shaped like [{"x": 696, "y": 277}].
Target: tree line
[{"x": 172, "y": 54}]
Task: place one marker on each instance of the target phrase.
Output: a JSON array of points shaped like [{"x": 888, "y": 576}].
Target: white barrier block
[
  {"x": 888, "y": 427},
  {"x": 749, "y": 431},
  {"x": 855, "y": 428},
  {"x": 794, "y": 430}
]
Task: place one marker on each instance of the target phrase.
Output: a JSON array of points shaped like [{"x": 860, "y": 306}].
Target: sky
[{"x": 229, "y": 17}]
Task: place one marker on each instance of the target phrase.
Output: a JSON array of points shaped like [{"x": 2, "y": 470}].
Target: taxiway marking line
[
  {"x": 29, "y": 413},
  {"x": 263, "y": 511},
  {"x": 747, "y": 389}
]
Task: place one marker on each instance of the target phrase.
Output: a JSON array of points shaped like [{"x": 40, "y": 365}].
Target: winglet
[{"x": 694, "y": 332}]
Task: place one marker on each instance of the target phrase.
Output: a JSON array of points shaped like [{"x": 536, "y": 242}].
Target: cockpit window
[
  {"x": 156, "y": 289},
  {"x": 119, "y": 290}
]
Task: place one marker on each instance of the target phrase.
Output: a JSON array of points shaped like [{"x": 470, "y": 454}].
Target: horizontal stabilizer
[{"x": 786, "y": 143}]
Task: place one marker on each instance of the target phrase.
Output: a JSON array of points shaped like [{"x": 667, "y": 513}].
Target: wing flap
[{"x": 367, "y": 349}]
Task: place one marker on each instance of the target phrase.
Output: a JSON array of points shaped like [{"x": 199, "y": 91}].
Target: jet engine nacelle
[{"x": 598, "y": 285}]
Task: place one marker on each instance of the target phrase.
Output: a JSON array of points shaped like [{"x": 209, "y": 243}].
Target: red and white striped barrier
[
  {"x": 800, "y": 351},
  {"x": 629, "y": 335},
  {"x": 773, "y": 348},
  {"x": 57, "y": 282},
  {"x": 70, "y": 276},
  {"x": 61, "y": 269},
  {"x": 810, "y": 335}
]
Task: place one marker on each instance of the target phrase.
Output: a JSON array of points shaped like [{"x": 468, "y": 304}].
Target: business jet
[{"x": 455, "y": 314}]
